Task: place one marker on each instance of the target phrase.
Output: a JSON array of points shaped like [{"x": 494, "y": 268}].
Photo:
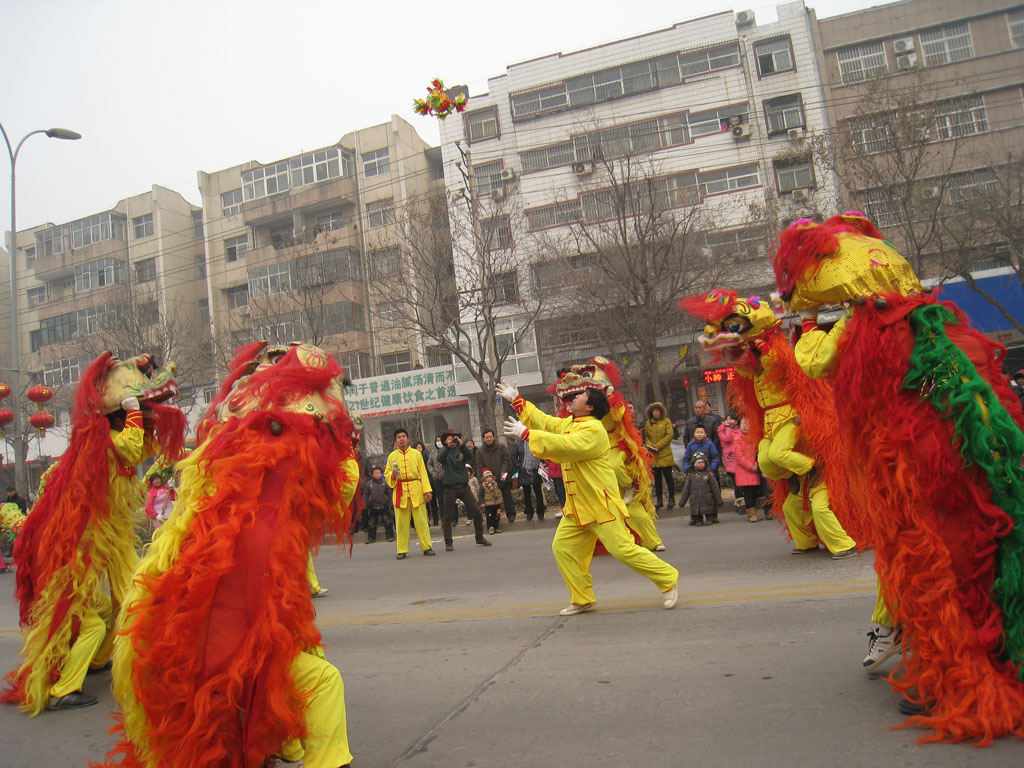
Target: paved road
[{"x": 461, "y": 660}]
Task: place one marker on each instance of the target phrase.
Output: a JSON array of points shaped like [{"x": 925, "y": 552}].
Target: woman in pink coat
[
  {"x": 747, "y": 474},
  {"x": 730, "y": 436}
]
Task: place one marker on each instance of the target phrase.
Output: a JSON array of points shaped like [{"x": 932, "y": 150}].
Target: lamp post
[{"x": 19, "y": 442}]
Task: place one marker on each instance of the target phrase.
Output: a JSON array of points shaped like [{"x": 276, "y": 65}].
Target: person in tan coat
[{"x": 658, "y": 437}]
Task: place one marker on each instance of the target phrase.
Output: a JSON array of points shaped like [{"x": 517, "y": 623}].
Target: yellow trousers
[
  {"x": 326, "y": 742},
  {"x": 419, "y": 519},
  {"x": 573, "y": 547},
  {"x": 314, "y": 583},
  {"x": 881, "y": 613},
  {"x": 642, "y": 522},
  {"x": 776, "y": 457},
  {"x": 827, "y": 527},
  {"x": 83, "y": 650}
]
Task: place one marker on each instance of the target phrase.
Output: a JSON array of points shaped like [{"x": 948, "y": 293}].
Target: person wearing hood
[{"x": 658, "y": 437}]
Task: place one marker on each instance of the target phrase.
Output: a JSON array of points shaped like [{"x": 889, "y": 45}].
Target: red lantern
[
  {"x": 5, "y": 391},
  {"x": 39, "y": 395},
  {"x": 42, "y": 421},
  {"x": 6, "y": 417}
]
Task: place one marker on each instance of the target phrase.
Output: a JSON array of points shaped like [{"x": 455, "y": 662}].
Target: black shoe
[
  {"x": 912, "y": 708},
  {"x": 400, "y": 556},
  {"x": 693, "y": 521},
  {"x": 370, "y": 541},
  {"x": 483, "y": 542},
  {"x": 671, "y": 503},
  {"x": 73, "y": 700},
  {"x": 391, "y": 538},
  {"x": 429, "y": 552}
]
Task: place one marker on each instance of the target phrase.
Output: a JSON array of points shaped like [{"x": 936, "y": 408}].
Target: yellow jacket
[
  {"x": 581, "y": 447},
  {"x": 413, "y": 480},
  {"x": 658, "y": 434},
  {"x": 817, "y": 351}
]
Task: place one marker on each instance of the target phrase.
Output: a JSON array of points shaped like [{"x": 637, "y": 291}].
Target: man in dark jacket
[
  {"x": 377, "y": 503},
  {"x": 14, "y": 498},
  {"x": 453, "y": 457},
  {"x": 493, "y": 455}
]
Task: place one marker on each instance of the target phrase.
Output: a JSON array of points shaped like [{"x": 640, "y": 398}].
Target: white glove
[
  {"x": 130, "y": 404},
  {"x": 507, "y": 391},
  {"x": 514, "y": 427},
  {"x": 627, "y": 497}
]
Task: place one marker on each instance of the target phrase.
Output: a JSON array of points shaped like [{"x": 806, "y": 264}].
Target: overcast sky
[{"x": 159, "y": 90}]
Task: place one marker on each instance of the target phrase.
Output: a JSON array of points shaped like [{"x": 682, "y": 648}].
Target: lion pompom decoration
[{"x": 440, "y": 102}]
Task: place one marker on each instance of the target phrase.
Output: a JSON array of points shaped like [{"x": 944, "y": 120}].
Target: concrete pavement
[{"x": 462, "y": 660}]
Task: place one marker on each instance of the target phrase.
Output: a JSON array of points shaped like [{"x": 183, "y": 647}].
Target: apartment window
[
  {"x": 197, "y": 224},
  {"x": 1015, "y": 20},
  {"x": 342, "y": 317},
  {"x": 728, "y": 180},
  {"x": 380, "y": 213},
  {"x": 327, "y": 267},
  {"x": 794, "y": 174},
  {"x": 599, "y": 206},
  {"x": 265, "y": 181},
  {"x": 397, "y": 362},
  {"x": 436, "y": 357},
  {"x": 554, "y": 215},
  {"x": 482, "y": 124},
  {"x": 149, "y": 313},
  {"x": 282, "y": 236},
  {"x": 36, "y": 296},
  {"x": 96, "y": 229},
  {"x": 625, "y": 140},
  {"x": 235, "y": 248},
  {"x": 355, "y": 364},
  {"x": 497, "y": 232},
  {"x": 547, "y": 157},
  {"x": 390, "y": 316},
  {"x": 200, "y": 261},
  {"x": 505, "y": 287},
  {"x": 96, "y": 319},
  {"x": 278, "y": 329},
  {"x": 54, "y": 330},
  {"x": 945, "y": 45},
  {"x": 270, "y": 280},
  {"x": 861, "y": 62},
  {"x": 716, "y": 120},
  {"x": 677, "y": 191},
  {"x": 774, "y": 56},
  {"x": 873, "y": 133},
  {"x": 50, "y": 242},
  {"x": 708, "y": 61},
  {"x": 231, "y": 202},
  {"x": 879, "y": 206},
  {"x": 961, "y": 117},
  {"x": 387, "y": 263},
  {"x": 746, "y": 244},
  {"x": 377, "y": 162},
  {"x": 972, "y": 184},
  {"x": 143, "y": 226},
  {"x": 315, "y": 166},
  {"x": 784, "y": 113},
  {"x": 203, "y": 305},
  {"x": 237, "y": 296},
  {"x": 145, "y": 270},
  {"x": 329, "y": 221},
  {"x": 67, "y": 370},
  {"x": 98, "y": 274},
  {"x": 487, "y": 177},
  {"x": 30, "y": 257},
  {"x": 524, "y": 348},
  {"x": 539, "y": 101}
]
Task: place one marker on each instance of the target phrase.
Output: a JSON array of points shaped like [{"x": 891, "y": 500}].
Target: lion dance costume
[
  {"x": 80, "y": 535},
  {"x": 934, "y": 445},
  {"x": 218, "y": 660},
  {"x": 791, "y": 416}
]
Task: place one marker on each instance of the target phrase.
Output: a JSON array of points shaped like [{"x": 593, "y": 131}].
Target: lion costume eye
[{"x": 736, "y": 324}]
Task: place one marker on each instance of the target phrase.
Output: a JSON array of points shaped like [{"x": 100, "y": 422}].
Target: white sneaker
[
  {"x": 490, "y": 531},
  {"x": 573, "y": 608},
  {"x": 882, "y": 647},
  {"x": 671, "y": 597},
  {"x": 660, "y": 548}
]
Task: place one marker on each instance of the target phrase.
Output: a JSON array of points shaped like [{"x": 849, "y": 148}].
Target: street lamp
[{"x": 19, "y": 443}]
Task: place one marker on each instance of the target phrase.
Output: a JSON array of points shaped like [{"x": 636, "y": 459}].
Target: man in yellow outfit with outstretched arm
[{"x": 594, "y": 510}]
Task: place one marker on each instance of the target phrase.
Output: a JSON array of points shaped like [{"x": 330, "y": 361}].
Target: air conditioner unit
[
  {"x": 745, "y": 17},
  {"x": 508, "y": 175},
  {"x": 906, "y": 61},
  {"x": 903, "y": 45},
  {"x": 741, "y": 131},
  {"x": 582, "y": 169},
  {"x": 799, "y": 195},
  {"x": 930, "y": 193},
  {"x": 795, "y": 134},
  {"x": 243, "y": 311},
  {"x": 497, "y": 193}
]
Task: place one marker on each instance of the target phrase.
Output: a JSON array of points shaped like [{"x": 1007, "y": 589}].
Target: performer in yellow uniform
[
  {"x": 407, "y": 476},
  {"x": 594, "y": 510}
]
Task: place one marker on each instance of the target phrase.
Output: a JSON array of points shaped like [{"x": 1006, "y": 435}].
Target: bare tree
[{"x": 452, "y": 272}]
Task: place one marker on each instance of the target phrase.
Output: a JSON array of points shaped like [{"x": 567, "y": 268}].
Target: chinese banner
[{"x": 403, "y": 392}]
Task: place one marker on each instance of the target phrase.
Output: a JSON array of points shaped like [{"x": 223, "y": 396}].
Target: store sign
[
  {"x": 717, "y": 375},
  {"x": 403, "y": 392}
]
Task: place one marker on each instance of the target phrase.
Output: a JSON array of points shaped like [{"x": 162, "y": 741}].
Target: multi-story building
[
  {"x": 720, "y": 110},
  {"x": 926, "y": 102},
  {"x": 124, "y": 279},
  {"x": 294, "y": 248}
]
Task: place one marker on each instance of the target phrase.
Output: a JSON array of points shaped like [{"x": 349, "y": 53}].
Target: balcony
[
  {"x": 61, "y": 265},
  {"x": 266, "y": 210}
]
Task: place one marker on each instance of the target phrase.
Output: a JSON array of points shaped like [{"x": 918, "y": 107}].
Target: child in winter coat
[
  {"x": 492, "y": 502},
  {"x": 159, "y": 502},
  {"x": 701, "y": 490},
  {"x": 703, "y": 444},
  {"x": 378, "y": 506},
  {"x": 748, "y": 475}
]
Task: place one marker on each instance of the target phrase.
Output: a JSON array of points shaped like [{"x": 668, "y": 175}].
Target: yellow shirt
[
  {"x": 817, "y": 351},
  {"x": 581, "y": 447},
  {"x": 413, "y": 480}
]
